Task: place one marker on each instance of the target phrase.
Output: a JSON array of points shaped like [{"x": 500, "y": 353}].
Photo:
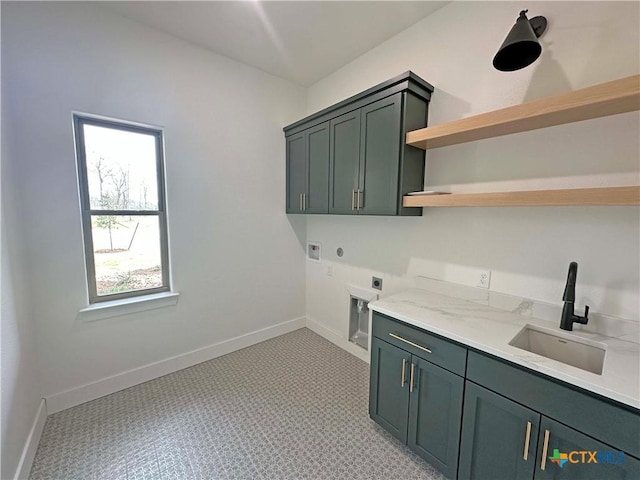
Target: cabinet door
[
  {"x": 389, "y": 387},
  {"x": 317, "y": 194},
  {"x": 380, "y": 156},
  {"x": 345, "y": 160},
  {"x": 494, "y": 437},
  {"x": 296, "y": 172},
  {"x": 435, "y": 410},
  {"x": 570, "y": 454}
]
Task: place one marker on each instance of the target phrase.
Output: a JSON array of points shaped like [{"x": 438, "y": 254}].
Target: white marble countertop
[{"x": 490, "y": 330}]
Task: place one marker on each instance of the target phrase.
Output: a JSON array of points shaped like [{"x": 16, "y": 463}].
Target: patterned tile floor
[{"x": 294, "y": 407}]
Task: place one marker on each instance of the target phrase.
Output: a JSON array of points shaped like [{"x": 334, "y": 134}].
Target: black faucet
[{"x": 568, "y": 318}]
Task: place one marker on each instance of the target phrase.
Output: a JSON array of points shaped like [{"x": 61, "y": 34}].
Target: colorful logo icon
[{"x": 559, "y": 458}]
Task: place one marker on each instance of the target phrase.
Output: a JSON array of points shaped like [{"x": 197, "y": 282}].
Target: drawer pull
[
  {"x": 413, "y": 367},
  {"x": 545, "y": 448},
  {"x": 408, "y": 342},
  {"x": 402, "y": 377},
  {"x": 527, "y": 437}
]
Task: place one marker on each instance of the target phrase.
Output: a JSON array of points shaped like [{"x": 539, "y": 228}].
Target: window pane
[
  {"x": 126, "y": 251},
  {"x": 121, "y": 169}
]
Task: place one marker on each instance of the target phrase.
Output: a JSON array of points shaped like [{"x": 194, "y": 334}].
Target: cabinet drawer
[
  {"x": 602, "y": 419},
  {"x": 440, "y": 352}
]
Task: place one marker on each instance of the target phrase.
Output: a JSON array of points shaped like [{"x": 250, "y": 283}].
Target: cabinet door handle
[
  {"x": 408, "y": 342},
  {"x": 300, "y": 202},
  {"x": 402, "y": 377},
  {"x": 545, "y": 448},
  {"x": 413, "y": 367},
  {"x": 353, "y": 199},
  {"x": 527, "y": 437},
  {"x": 359, "y": 204},
  {"x": 304, "y": 202}
]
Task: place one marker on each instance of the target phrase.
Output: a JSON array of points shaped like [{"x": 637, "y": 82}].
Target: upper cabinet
[
  {"x": 308, "y": 170},
  {"x": 365, "y": 159},
  {"x": 344, "y": 158},
  {"x": 352, "y": 158}
]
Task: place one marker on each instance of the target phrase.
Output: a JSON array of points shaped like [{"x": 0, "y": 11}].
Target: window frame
[{"x": 79, "y": 120}]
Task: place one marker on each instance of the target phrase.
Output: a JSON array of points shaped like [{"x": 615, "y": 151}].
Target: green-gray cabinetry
[
  {"x": 296, "y": 172},
  {"x": 566, "y": 420},
  {"x": 414, "y": 399},
  {"x": 512, "y": 424},
  {"x": 370, "y": 167},
  {"x": 365, "y": 158},
  {"x": 344, "y": 162},
  {"x": 499, "y": 437},
  {"x": 503, "y": 440},
  {"x": 308, "y": 170},
  {"x": 434, "y": 415},
  {"x": 389, "y": 389},
  {"x": 586, "y": 458}
]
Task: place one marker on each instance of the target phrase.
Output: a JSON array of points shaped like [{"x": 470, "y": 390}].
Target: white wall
[
  {"x": 237, "y": 260},
  {"x": 20, "y": 383},
  {"x": 527, "y": 249}
]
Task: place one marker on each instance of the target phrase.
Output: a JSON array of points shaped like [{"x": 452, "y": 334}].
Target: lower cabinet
[
  {"x": 499, "y": 437},
  {"x": 502, "y": 439},
  {"x": 435, "y": 406},
  {"x": 566, "y": 454},
  {"x": 389, "y": 389},
  {"x": 491, "y": 420},
  {"x": 418, "y": 402}
]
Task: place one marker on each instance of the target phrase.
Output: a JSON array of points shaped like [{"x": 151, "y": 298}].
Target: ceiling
[{"x": 302, "y": 41}]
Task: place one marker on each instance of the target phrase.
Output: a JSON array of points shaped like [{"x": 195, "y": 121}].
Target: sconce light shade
[{"x": 521, "y": 47}]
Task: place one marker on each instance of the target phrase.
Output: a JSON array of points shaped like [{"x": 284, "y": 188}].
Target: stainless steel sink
[{"x": 566, "y": 348}]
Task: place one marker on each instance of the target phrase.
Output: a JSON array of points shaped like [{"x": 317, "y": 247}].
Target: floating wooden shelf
[
  {"x": 541, "y": 198},
  {"x": 601, "y": 100}
]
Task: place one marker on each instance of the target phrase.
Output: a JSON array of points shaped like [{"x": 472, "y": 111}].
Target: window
[{"x": 124, "y": 222}]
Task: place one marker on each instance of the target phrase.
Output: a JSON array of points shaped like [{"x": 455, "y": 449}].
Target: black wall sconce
[{"x": 521, "y": 47}]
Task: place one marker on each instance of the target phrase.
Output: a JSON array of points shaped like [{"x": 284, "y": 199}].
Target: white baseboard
[
  {"x": 337, "y": 339},
  {"x": 30, "y": 447},
  {"x": 90, "y": 391}
]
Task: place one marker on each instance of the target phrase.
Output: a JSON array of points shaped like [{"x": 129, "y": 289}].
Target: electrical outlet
[
  {"x": 376, "y": 283},
  {"x": 484, "y": 279}
]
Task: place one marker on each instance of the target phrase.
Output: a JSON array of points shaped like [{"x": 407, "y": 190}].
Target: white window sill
[{"x": 126, "y": 306}]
